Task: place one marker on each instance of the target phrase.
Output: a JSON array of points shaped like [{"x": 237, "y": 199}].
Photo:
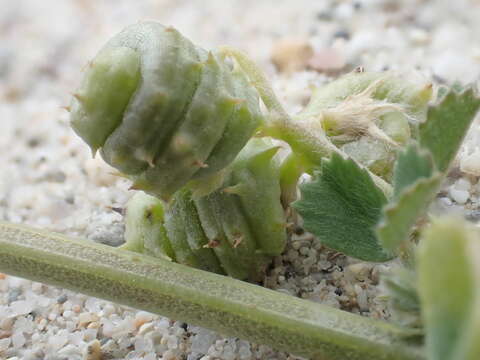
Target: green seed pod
[
  {"x": 186, "y": 234},
  {"x": 254, "y": 170},
  {"x": 230, "y": 235},
  {"x": 234, "y": 230},
  {"x": 162, "y": 110},
  {"x": 144, "y": 227}
]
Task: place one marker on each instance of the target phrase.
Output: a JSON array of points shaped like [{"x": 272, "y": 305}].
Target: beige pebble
[
  {"x": 419, "y": 37},
  {"x": 93, "y": 325},
  {"x": 7, "y": 323},
  {"x": 290, "y": 54},
  {"x": 470, "y": 164},
  {"x": 145, "y": 328},
  {"x": 86, "y": 318},
  {"x": 327, "y": 60},
  {"x": 359, "y": 271},
  {"x": 93, "y": 351},
  {"x": 99, "y": 172},
  {"x": 5, "y": 334}
]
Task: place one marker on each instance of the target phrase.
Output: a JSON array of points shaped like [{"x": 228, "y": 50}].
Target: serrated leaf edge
[
  {"x": 317, "y": 174},
  {"x": 391, "y": 209},
  {"x": 421, "y": 152}
]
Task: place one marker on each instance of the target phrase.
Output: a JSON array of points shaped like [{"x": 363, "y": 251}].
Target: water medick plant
[{"x": 216, "y": 163}]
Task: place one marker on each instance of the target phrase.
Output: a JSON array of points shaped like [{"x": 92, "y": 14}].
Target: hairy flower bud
[{"x": 368, "y": 115}]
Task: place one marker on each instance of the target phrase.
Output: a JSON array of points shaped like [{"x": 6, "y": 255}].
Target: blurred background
[{"x": 49, "y": 179}]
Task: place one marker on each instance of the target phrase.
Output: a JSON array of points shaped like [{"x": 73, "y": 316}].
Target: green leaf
[
  {"x": 446, "y": 125},
  {"x": 449, "y": 282},
  {"x": 411, "y": 165},
  {"x": 416, "y": 183},
  {"x": 401, "y": 215},
  {"x": 416, "y": 180},
  {"x": 341, "y": 206}
]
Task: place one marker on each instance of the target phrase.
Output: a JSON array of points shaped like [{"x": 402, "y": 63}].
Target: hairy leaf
[
  {"x": 415, "y": 184},
  {"x": 416, "y": 179},
  {"x": 411, "y": 165},
  {"x": 446, "y": 125},
  {"x": 449, "y": 283},
  {"x": 400, "y": 216},
  {"x": 341, "y": 206}
]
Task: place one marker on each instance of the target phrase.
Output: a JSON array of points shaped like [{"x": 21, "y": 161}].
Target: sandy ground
[{"x": 48, "y": 178}]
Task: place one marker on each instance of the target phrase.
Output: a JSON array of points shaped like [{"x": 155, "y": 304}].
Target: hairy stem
[
  {"x": 223, "y": 304},
  {"x": 307, "y": 139},
  {"x": 311, "y": 145}
]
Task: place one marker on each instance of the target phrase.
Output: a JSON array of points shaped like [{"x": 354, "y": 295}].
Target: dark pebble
[
  {"x": 14, "y": 294},
  {"x": 298, "y": 230},
  {"x": 324, "y": 16},
  {"x": 473, "y": 215},
  {"x": 62, "y": 299},
  {"x": 342, "y": 34}
]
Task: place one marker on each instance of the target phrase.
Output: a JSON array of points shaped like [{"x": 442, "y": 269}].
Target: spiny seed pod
[
  {"x": 144, "y": 227},
  {"x": 162, "y": 110},
  {"x": 368, "y": 115},
  {"x": 235, "y": 230}
]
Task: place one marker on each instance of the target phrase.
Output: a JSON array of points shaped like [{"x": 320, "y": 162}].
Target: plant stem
[
  {"x": 217, "y": 302},
  {"x": 310, "y": 144},
  {"x": 307, "y": 140}
]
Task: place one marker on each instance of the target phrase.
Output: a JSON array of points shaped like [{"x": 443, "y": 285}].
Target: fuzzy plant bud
[
  {"x": 369, "y": 115},
  {"x": 234, "y": 230},
  {"x": 163, "y": 111}
]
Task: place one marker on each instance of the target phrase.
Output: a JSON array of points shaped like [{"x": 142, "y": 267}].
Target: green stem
[
  {"x": 223, "y": 304},
  {"x": 310, "y": 144},
  {"x": 307, "y": 140}
]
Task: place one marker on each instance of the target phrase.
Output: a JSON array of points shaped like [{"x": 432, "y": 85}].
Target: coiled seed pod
[
  {"x": 162, "y": 110},
  {"x": 144, "y": 227},
  {"x": 235, "y": 230}
]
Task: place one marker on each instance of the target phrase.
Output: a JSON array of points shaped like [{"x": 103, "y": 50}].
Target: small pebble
[
  {"x": 470, "y": 164},
  {"x": 290, "y": 54},
  {"x": 93, "y": 351},
  {"x": 14, "y": 294},
  {"x": 145, "y": 328},
  {"x": 327, "y": 60},
  {"x": 4, "y": 344},
  {"x": 342, "y": 34},
  {"x": 86, "y": 318},
  {"x": 459, "y": 196},
  {"x": 62, "y": 299}
]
